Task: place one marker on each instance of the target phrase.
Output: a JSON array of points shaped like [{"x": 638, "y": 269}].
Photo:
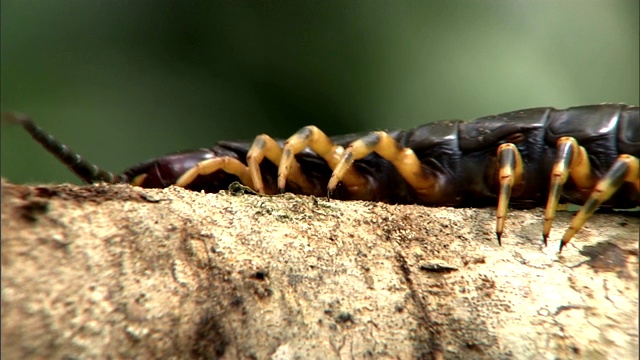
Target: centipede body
[{"x": 526, "y": 158}]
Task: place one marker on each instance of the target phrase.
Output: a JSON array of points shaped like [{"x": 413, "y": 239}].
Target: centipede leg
[
  {"x": 265, "y": 146},
  {"x": 209, "y": 166},
  {"x": 510, "y": 173},
  {"x": 319, "y": 142},
  {"x": 625, "y": 169},
  {"x": 571, "y": 159},
  {"x": 403, "y": 159}
]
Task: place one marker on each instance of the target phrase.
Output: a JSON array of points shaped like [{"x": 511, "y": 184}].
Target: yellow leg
[
  {"x": 314, "y": 138},
  {"x": 571, "y": 159},
  {"x": 625, "y": 169},
  {"x": 510, "y": 173},
  {"x": 264, "y": 146},
  {"x": 138, "y": 180},
  {"x": 403, "y": 159},
  {"x": 226, "y": 164}
]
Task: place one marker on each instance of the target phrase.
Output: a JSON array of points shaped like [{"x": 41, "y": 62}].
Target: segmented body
[{"x": 506, "y": 158}]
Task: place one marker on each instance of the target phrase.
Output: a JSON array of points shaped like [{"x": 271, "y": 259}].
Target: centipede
[{"x": 585, "y": 155}]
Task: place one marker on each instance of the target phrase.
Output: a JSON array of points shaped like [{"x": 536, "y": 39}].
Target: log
[{"x": 114, "y": 271}]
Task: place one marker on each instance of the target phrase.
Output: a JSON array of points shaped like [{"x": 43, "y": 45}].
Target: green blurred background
[{"x": 121, "y": 82}]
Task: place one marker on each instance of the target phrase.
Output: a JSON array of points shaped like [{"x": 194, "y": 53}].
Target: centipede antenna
[{"x": 88, "y": 172}]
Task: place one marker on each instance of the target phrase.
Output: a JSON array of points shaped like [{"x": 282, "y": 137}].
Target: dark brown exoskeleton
[{"x": 584, "y": 155}]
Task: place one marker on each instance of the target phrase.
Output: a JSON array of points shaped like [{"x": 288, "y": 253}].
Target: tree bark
[{"x": 121, "y": 272}]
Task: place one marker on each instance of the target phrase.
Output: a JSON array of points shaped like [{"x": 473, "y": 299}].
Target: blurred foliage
[{"x": 121, "y": 82}]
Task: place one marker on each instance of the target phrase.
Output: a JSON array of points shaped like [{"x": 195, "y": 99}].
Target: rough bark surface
[{"x": 121, "y": 272}]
